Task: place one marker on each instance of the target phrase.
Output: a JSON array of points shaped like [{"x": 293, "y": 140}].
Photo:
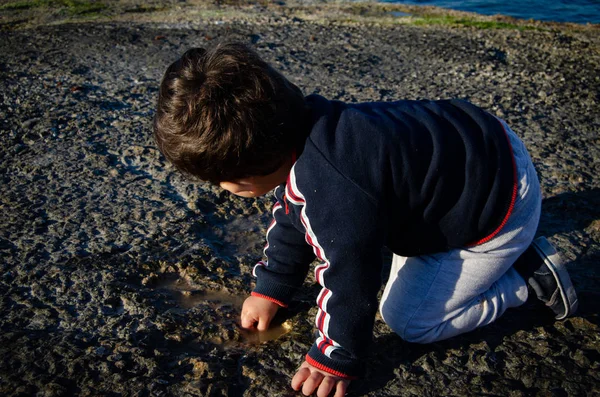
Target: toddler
[{"x": 449, "y": 188}]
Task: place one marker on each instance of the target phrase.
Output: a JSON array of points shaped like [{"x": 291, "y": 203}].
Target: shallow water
[{"x": 189, "y": 297}]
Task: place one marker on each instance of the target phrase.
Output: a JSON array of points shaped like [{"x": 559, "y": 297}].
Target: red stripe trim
[
  {"x": 513, "y": 198},
  {"x": 320, "y": 270},
  {"x": 294, "y": 156},
  {"x": 322, "y": 367},
  {"x": 287, "y": 208},
  {"x": 325, "y": 341},
  {"x": 318, "y": 251},
  {"x": 291, "y": 190},
  {"x": 295, "y": 197},
  {"x": 268, "y": 298},
  {"x": 321, "y": 320},
  {"x": 324, "y": 293}
]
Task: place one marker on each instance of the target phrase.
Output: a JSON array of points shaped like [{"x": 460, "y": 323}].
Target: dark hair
[{"x": 224, "y": 114}]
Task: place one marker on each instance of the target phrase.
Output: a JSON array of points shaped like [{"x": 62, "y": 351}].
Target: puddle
[
  {"x": 275, "y": 331},
  {"x": 189, "y": 297}
]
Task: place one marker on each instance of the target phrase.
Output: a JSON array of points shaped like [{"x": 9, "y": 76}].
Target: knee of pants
[
  {"x": 411, "y": 332},
  {"x": 422, "y": 334}
]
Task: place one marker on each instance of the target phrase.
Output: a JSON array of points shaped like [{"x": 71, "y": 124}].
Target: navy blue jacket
[{"x": 416, "y": 176}]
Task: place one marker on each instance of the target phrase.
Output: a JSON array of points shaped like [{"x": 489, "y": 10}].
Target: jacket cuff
[
  {"x": 268, "y": 298},
  {"x": 275, "y": 292},
  {"x": 340, "y": 366}
]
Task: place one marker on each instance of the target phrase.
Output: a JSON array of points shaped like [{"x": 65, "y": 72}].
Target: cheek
[
  {"x": 248, "y": 189},
  {"x": 231, "y": 187},
  {"x": 248, "y": 194}
]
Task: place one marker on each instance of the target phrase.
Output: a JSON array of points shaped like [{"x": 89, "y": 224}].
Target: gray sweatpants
[{"x": 434, "y": 297}]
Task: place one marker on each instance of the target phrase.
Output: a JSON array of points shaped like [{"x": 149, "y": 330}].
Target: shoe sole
[{"x": 558, "y": 269}]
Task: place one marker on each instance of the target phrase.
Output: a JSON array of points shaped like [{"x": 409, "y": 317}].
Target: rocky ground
[{"x": 119, "y": 277}]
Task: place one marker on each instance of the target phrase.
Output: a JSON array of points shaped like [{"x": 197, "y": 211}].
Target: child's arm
[
  {"x": 344, "y": 231},
  {"x": 289, "y": 257},
  {"x": 344, "y": 227},
  {"x": 287, "y": 267}
]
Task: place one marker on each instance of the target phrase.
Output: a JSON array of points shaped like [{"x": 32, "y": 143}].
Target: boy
[{"x": 447, "y": 187}]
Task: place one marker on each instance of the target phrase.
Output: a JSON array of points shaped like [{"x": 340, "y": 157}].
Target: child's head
[{"x": 224, "y": 115}]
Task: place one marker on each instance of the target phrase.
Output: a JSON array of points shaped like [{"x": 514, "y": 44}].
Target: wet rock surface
[{"x": 118, "y": 276}]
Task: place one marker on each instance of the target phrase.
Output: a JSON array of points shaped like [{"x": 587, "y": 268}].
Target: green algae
[{"x": 450, "y": 20}]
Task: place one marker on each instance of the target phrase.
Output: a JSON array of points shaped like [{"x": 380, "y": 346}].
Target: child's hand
[
  {"x": 311, "y": 378},
  {"x": 258, "y": 311}
]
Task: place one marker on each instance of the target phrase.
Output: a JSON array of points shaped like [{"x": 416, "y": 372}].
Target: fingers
[
  {"x": 341, "y": 387},
  {"x": 300, "y": 377},
  {"x": 310, "y": 380},
  {"x": 311, "y": 384},
  {"x": 263, "y": 323},
  {"x": 248, "y": 320},
  {"x": 258, "y": 312},
  {"x": 326, "y": 386}
]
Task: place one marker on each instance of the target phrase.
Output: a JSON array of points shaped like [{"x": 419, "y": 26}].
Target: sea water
[{"x": 578, "y": 11}]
